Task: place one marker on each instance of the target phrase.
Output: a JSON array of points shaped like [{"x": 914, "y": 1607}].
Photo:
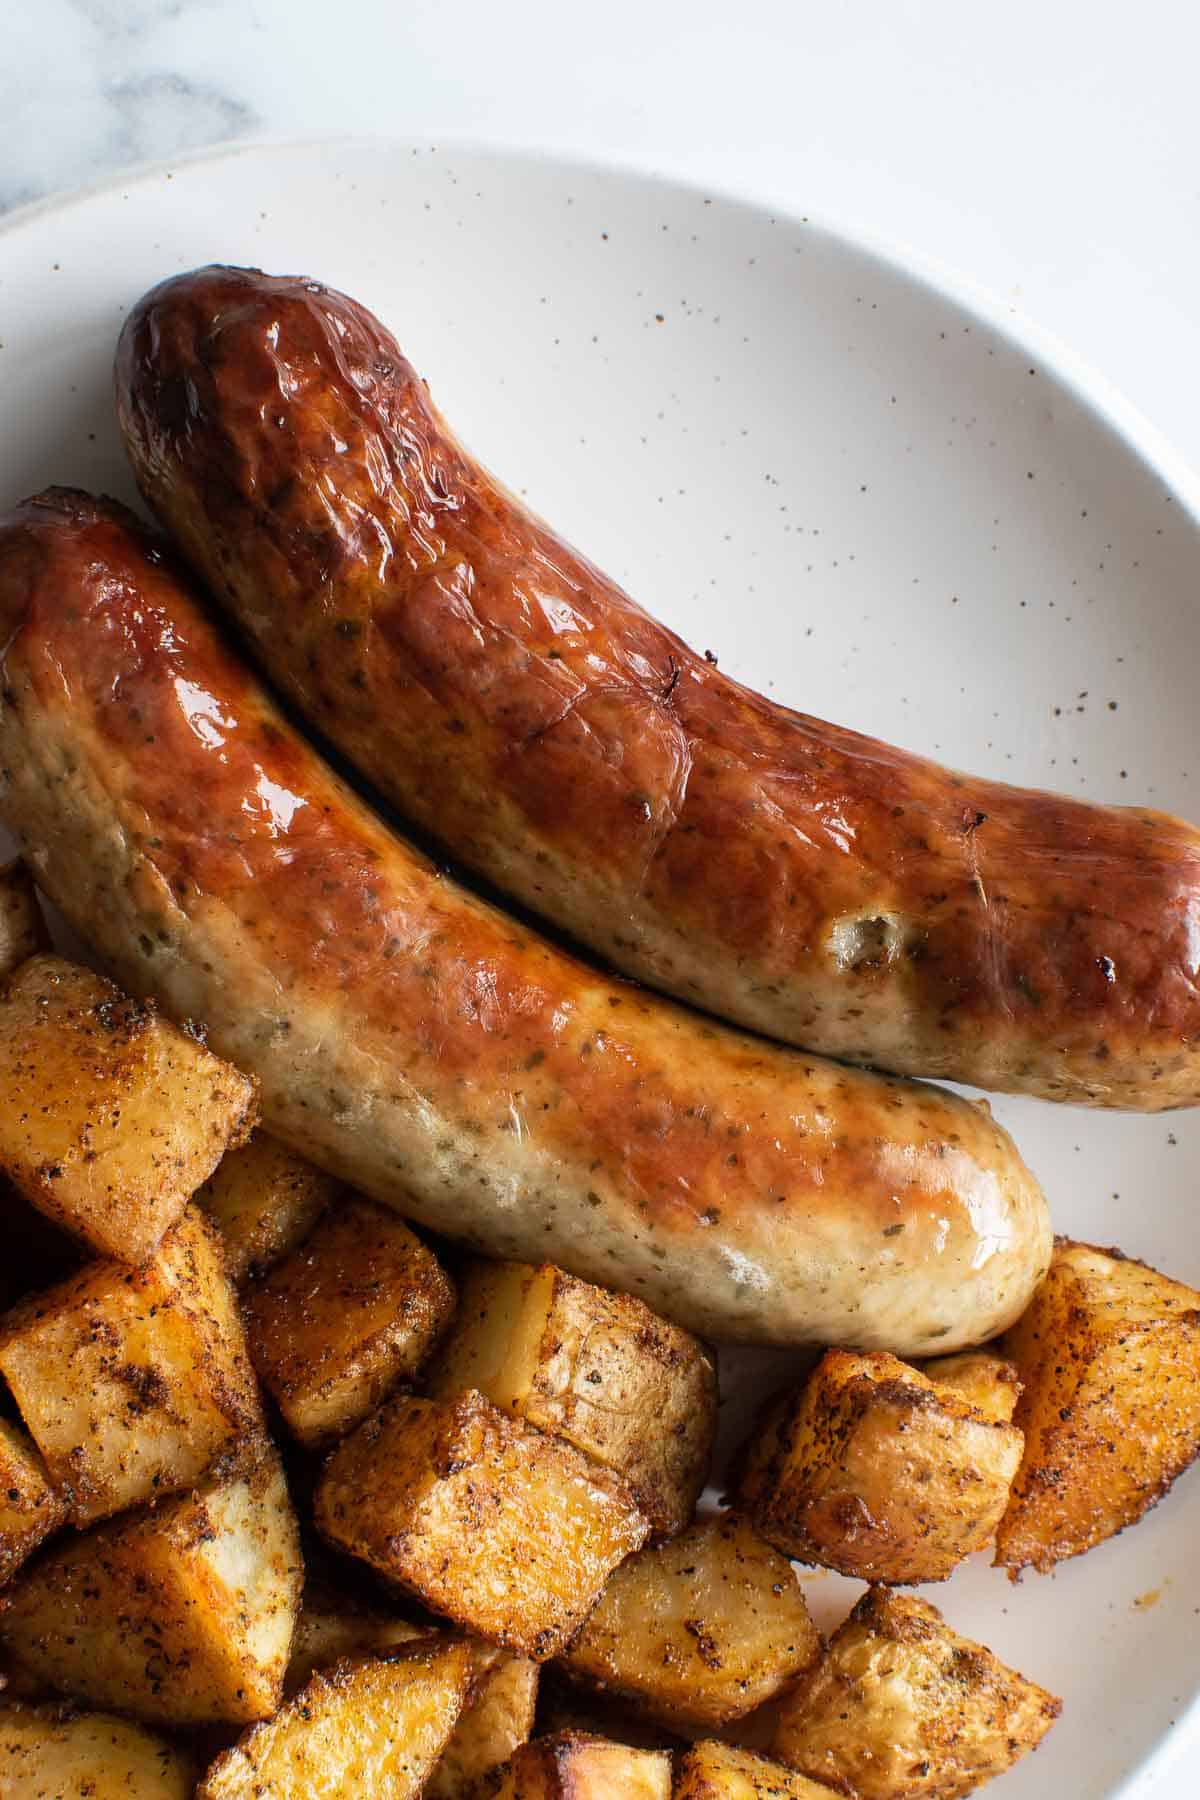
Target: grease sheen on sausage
[
  {"x": 419, "y": 1043},
  {"x": 794, "y": 877}
]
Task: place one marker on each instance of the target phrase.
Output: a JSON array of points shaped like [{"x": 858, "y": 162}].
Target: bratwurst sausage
[
  {"x": 428, "y": 1049},
  {"x": 782, "y": 873}
]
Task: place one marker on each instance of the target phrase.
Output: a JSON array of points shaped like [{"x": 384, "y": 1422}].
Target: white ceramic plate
[{"x": 862, "y": 492}]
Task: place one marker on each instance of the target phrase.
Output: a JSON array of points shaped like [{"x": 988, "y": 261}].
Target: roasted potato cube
[
  {"x": 497, "y": 1717},
  {"x": 134, "y": 1381},
  {"x": 30, "y": 1509},
  {"x": 375, "y": 1726},
  {"x": 1109, "y": 1352},
  {"x": 111, "y": 1117},
  {"x": 180, "y": 1614},
  {"x": 700, "y": 1630},
  {"x": 59, "y": 1753},
  {"x": 496, "y": 1722},
  {"x": 510, "y": 1533},
  {"x": 983, "y": 1379},
  {"x": 265, "y": 1200},
  {"x": 345, "y": 1317},
  {"x": 874, "y": 1471},
  {"x": 711, "y": 1770},
  {"x": 599, "y": 1369},
  {"x": 22, "y": 927},
  {"x": 574, "y": 1766},
  {"x": 331, "y": 1628},
  {"x": 901, "y": 1707}
]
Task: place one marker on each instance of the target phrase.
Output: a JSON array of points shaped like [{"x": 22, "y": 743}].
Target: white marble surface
[{"x": 1048, "y": 150}]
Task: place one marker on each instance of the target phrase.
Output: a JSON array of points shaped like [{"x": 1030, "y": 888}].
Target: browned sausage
[
  {"x": 417, "y": 1042},
  {"x": 793, "y": 877}
]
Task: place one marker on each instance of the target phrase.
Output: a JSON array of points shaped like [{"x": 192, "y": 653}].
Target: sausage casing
[
  {"x": 793, "y": 877},
  {"x": 422, "y": 1045}
]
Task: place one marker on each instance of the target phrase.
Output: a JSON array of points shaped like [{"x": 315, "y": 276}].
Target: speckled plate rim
[{"x": 1092, "y": 391}]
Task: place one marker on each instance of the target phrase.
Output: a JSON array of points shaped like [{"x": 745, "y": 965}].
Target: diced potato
[
  {"x": 497, "y": 1717},
  {"x": 22, "y": 927},
  {"x": 1109, "y": 1352},
  {"x": 110, "y": 1117},
  {"x": 179, "y": 1614},
  {"x": 30, "y": 1509},
  {"x": 133, "y": 1382},
  {"x": 59, "y": 1753},
  {"x": 714, "y": 1771},
  {"x": 265, "y": 1200},
  {"x": 331, "y": 1628},
  {"x": 986, "y": 1381},
  {"x": 370, "y": 1727},
  {"x": 510, "y": 1533},
  {"x": 901, "y": 1707},
  {"x": 574, "y": 1766},
  {"x": 599, "y": 1369},
  {"x": 701, "y": 1630},
  {"x": 495, "y": 1723},
  {"x": 344, "y": 1317},
  {"x": 874, "y": 1471}
]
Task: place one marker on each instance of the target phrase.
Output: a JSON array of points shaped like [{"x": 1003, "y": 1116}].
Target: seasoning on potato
[
  {"x": 874, "y": 1470},
  {"x": 496, "y": 1718},
  {"x": 983, "y": 1378},
  {"x": 265, "y": 1200},
  {"x": 134, "y": 1381},
  {"x": 30, "y": 1507},
  {"x": 629, "y": 1389},
  {"x": 374, "y": 1726},
  {"x": 902, "y": 1708},
  {"x": 344, "y": 1317},
  {"x": 110, "y": 1118},
  {"x": 711, "y": 1770},
  {"x": 496, "y": 1721},
  {"x": 178, "y": 1614},
  {"x": 1109, "y": 1352},
  {"x": 59, "y": 1752},
  {"x": 701, "y": 1630},
  {"x": 509, "y": 1532}
]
